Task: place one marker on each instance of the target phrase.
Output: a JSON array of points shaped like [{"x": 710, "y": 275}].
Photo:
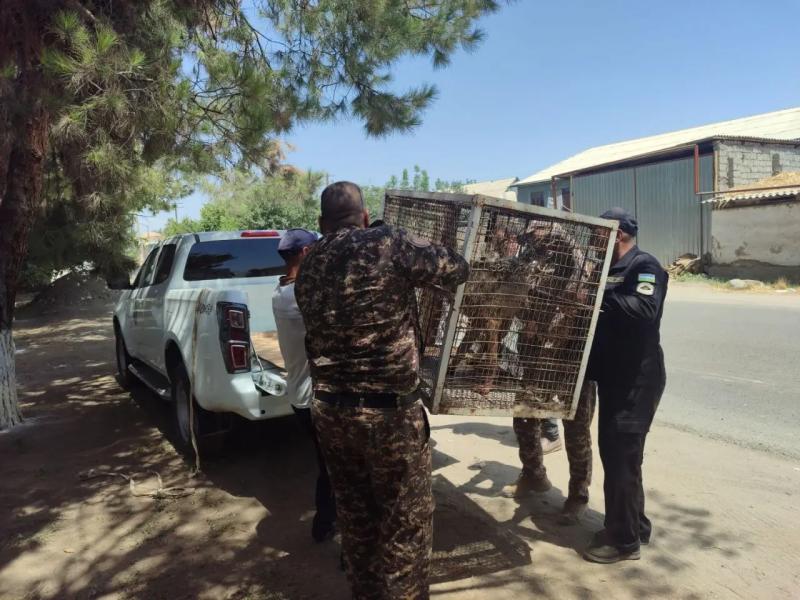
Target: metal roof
[
  {"x": 496, "y": 188},
  {"x": 778, "y": 126}
]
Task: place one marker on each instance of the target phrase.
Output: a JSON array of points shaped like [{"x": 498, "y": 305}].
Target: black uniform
[{"x": 628, "y": 364}]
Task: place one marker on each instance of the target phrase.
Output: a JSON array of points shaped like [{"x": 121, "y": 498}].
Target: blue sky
[{"x": 553, "y": 78}]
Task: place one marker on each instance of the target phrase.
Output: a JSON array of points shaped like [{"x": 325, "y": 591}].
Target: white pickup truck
[{"x": 188, "y": 321}]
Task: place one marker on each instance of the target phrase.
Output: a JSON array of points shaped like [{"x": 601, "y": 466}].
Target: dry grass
[
  {"x": 700, "y": 278},
  {"x": 781, "y": 284}
]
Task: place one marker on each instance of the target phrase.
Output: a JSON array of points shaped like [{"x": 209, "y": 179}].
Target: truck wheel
[
  {"x": 206, "y": 431},
  {"x": 126, "y": 379}
]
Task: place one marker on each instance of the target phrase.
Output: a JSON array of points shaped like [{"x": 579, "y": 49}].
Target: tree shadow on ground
[
  {"x": 501, "y": 433},
  {"x": 68, "y": 536},
  {"x": 244, "y": 531},
  {"x": 679, "y": 530}
]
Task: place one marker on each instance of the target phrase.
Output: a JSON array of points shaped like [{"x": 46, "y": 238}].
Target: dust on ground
[
  {"x": 742, "y": 287},
  {"x": 724, "y": 517},
  {"x": 690, "y": 291},
  {"x": 244, "y": 532},
  {"x": 78, "y": 289}
]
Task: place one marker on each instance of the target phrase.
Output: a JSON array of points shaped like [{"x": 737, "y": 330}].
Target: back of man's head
[{"x": 342, "y": 206}]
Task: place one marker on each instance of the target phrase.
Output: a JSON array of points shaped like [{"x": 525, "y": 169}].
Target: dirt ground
[{"x": 725, "y": 517}]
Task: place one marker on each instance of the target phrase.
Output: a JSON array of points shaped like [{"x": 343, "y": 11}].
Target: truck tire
[
  {"x": 126, "y": 378},
  {"x": 208, "y": 435}
]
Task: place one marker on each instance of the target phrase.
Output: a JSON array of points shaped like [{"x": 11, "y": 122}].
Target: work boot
[
  {"x": 571, "y": 512},
  {"x": 550, "y": 446},
  {"x": 606, "y": 554},
  {"x": 526, "y": 485}
]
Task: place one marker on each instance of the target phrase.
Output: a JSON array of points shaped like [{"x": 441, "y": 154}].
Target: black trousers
[
  {"x": 625, "y": 417},
  {"x": 323, "y": 494}
]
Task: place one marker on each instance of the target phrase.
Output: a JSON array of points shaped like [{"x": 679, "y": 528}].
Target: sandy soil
[
  {"x": 725, "y": 517},
  {"x": 77, "y": 289}
]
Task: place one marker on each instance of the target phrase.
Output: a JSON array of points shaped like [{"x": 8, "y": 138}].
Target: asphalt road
[{"x": 733, "y": 368}]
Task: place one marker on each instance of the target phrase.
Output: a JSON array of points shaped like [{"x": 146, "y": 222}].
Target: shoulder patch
[
  {"x": 645, "y": 288},
  {"x": 648, "y": 277}
]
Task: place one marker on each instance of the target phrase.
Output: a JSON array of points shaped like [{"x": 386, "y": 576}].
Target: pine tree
[
  {"x": 405, "y": 184},
  {"x": 107, "y": 90}
]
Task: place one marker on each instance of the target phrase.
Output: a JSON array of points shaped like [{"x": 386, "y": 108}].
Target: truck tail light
[
  {"x": 240, "y": 357},
  {"x": 258, "y": 233},
  {"x": 234, "y": 336}
]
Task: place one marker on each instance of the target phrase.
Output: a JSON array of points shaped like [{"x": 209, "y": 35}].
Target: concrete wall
[
  {"x": 757, "y": 242},
  {"x": 742, "y": 163}
]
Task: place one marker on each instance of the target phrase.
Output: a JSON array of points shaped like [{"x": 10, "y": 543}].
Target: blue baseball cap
[
  {"x": 294, "y": 240},
  {"x": 626, "y": 221}
]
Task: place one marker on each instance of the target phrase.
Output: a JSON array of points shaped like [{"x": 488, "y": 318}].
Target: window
[
  {"x": 229, "y": 259},
  {"x": 146, "y": 271},
  {"x": 537, "y": 198},
  {"x": 164, "y": 265}
]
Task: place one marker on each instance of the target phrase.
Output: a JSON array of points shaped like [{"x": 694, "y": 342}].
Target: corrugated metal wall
[
  {"x": 594, "y": 194},
  {"x": 672, "y": 220}
]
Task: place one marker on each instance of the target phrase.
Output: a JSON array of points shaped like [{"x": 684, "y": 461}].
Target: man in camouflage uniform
[
  {"x": 356, "y": 292},
  {"x": 543, "y": 338}
]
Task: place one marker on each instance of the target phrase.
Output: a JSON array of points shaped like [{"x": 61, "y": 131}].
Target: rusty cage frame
[{"x": 532, "y": 270}]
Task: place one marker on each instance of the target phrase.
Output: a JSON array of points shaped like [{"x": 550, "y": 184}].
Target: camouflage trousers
[
  {"x": 577, "y": 439},
  {"x": 380, "y": 466}
]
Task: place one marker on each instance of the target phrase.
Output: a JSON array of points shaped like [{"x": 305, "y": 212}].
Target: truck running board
[{"x": 152, "y": 380}]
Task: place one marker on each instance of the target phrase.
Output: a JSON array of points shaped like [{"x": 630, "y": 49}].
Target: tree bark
[
  {"x": 10, "y": 414},
  {"x": 21, "y": 181}
]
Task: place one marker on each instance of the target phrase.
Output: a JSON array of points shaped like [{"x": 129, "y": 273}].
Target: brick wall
[{"x": 741, "y": 163}]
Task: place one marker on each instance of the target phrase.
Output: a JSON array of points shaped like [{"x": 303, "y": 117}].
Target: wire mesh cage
[{"x": 514, "y": 339}]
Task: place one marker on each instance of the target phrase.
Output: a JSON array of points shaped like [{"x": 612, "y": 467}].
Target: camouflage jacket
[{"x": 355, "y": 289}]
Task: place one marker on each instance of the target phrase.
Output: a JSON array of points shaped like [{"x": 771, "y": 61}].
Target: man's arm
[
  {"x": 644, "y": 303},
  {"x": 428, "y": 264}
]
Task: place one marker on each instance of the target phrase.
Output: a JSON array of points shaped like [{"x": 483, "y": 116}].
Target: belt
[{"x": 365, "y": 400}]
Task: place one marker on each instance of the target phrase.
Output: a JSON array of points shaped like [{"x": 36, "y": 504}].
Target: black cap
[
  {"x": 626, "y": 221},
  {"x": 294, "y": 240}
]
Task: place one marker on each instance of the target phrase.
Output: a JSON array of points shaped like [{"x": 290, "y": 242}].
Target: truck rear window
[{"x": 232, "y": 259}]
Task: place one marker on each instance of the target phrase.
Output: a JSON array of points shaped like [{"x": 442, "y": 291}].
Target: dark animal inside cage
[{"x": 515, "y": 339}]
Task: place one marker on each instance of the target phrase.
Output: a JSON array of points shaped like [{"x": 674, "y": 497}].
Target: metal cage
[{"x": 514, "y": 339}]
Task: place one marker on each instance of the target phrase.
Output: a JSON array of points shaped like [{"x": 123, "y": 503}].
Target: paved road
[{"x": 733, "y": 368}]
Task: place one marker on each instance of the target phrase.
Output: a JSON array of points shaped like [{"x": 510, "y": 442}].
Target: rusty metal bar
[
  {"x": 598, "y": 302},
  {"x": 696, "y": 169},
  {"x": 455, "y": 312}
]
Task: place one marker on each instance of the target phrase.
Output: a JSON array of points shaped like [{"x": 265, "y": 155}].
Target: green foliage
[
  {"x": 70, "y": 231},
  {"x": 203, "y": 86},
  {"x": 185, "y": 225},
  {"x": 454, "y": 186},
  {"x": 421, "y": 182},
  {"x": 373, "y": 200},
  {"x": 404, "y": 182},
  {"x": 242, "y": 200}
]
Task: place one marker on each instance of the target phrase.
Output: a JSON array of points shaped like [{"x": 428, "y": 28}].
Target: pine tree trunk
[
  {"x": 9, "y": 407},
  {"x": 22, "y": 152}
]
